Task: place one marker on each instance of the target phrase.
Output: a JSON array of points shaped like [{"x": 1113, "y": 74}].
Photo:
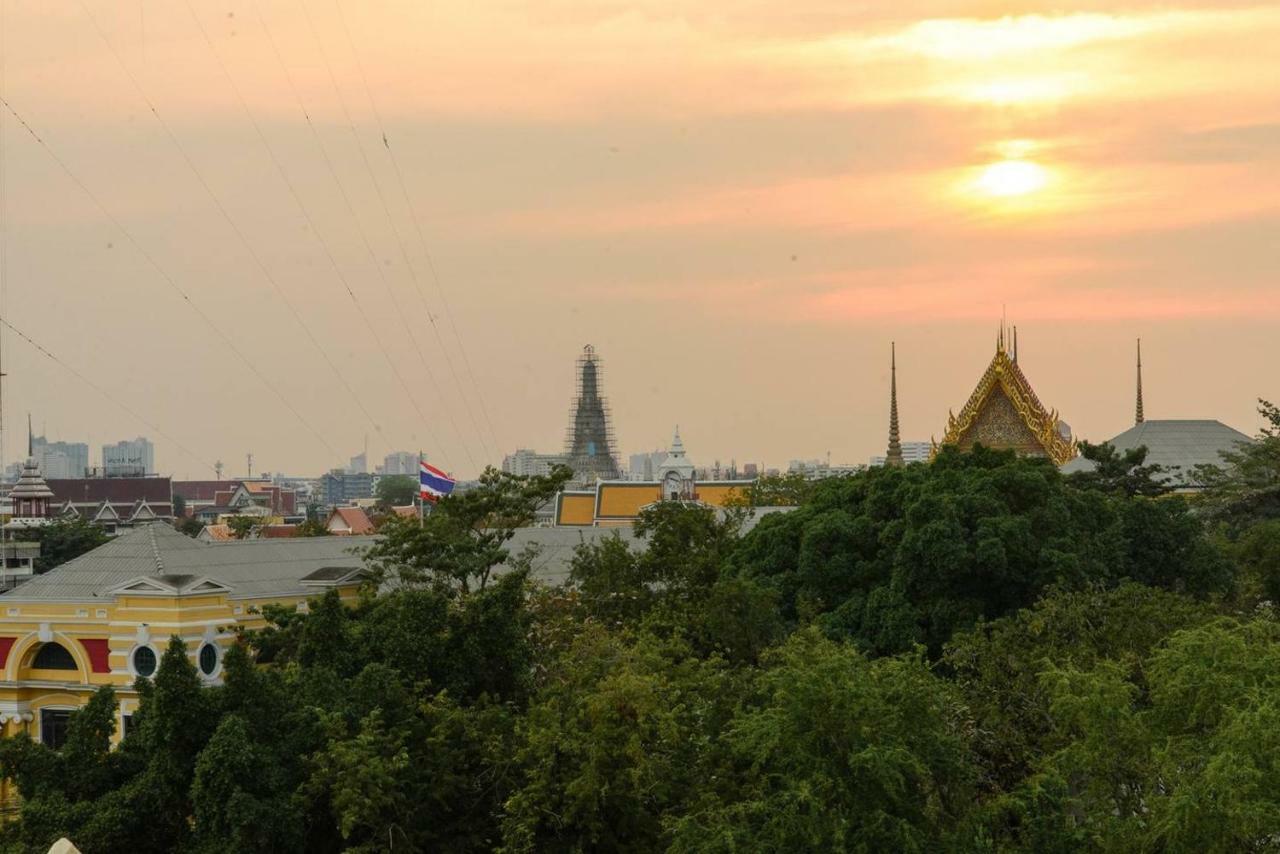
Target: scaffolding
[{"x": 589, "y": 448}]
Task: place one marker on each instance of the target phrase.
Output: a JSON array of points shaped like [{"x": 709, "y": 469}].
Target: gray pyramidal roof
[{"x": 1174, "y": 444}]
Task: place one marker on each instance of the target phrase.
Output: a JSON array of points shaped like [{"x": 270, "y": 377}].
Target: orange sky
[{"x": 738, "y": 203}]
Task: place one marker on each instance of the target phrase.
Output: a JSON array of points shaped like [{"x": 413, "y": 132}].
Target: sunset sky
[{"x": 740, "y": 204}]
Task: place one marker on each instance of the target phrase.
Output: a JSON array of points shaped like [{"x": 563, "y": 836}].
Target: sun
[{"x": 1012, "y": 178}]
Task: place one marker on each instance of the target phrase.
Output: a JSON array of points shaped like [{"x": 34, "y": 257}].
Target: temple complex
[{"x": 1004, "y": 412}]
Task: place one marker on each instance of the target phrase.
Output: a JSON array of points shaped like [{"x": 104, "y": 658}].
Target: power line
[
  {"x": 373, "y": 255},
  {"x": 44, "y": 351},
  {"x": 164, "y": 275},
  {"x": 351, "y": 124},
  {"x": 403, "y": 251},
  {"x": 221, "y": 208},
  {"x": 422, "y": 241}
]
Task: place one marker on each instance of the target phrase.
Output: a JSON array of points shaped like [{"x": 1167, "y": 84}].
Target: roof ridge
[{"x": 155, "y": 549}]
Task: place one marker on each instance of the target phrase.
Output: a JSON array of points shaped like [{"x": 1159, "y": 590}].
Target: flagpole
[{"x": 421, "y": 509}]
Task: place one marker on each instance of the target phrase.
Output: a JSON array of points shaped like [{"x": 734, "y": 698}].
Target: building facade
[
  {"x": 912, "y": 452},
  {"x": 399, "y": 463},
  {"x": 615, "y": 503},
  {"x": 645, "y": 466},
  {"x": 106, "y": 617},
  {"x": 1004, "y": 412},
  {"x": 60, "y": 459},
  {"x": 340, "y": 487},
  {"x": 529, "y": 463},
  {"x": 128, "y": 458},
  {"x": 114, "y": 502}
]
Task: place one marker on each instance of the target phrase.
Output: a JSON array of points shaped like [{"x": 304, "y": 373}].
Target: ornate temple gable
[{"x": 1004, "y": 412}]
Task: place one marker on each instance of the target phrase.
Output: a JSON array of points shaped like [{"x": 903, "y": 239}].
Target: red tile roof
[
  {"x": 117, "y": 490},
  {"x": 201, "y": 490},
  {"x": 353, "y": 518}
]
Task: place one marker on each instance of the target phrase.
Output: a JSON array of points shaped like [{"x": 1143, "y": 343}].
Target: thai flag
[{"x": 433, "y": 483}]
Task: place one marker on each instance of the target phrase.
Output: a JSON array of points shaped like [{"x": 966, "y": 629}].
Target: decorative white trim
[
  {"x": 217, "y": 665},
  {"x": 133, "y": 671}
]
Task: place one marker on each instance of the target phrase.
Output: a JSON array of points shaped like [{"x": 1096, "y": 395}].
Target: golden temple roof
[{"x": 1022, "y": 423}]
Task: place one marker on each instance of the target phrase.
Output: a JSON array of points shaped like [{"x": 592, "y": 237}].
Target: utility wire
[
  {"x": 226, "y": 215},
  {"x": 164, "y": 275},
  {"x": 378, "y": 188},
  {"x": 422, "y": 241},
  {"x": 413, "y": 273},
  {"x": 44, "y": 351},
  {"x": 373, "y": 255}
]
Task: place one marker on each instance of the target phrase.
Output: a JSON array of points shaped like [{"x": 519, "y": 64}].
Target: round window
[
  {"x": 144, "y": 661},
  {"x": 208, "y": 659}
]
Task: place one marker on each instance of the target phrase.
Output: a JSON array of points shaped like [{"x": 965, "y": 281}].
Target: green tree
[
  {"x": 998, "y": 665},
  {"x": 63, "y": 540},
  {"x": 1257, "y": 552},
  {"x": 1245, "y": 489},
  {"x": 190, "y": 526},
  {"x": 235, "y": 805},
  {"x": 1117, "y": 473},
  {"x": 779, "y": 490},
  {"x": 396, "y": 491},
  {"x": 840, "y": 753},
  {"x": 897, "y": 556},
  {"x": 609, "y": 746},
  {"x": 463, "y": 539},
  {"x": 243, "y": 527}
]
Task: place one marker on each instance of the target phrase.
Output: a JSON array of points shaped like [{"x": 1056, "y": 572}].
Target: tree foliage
[
  {"x": 974, "y": 655},
  {"x": 396, "y": 490},
  {"x": 1245, "y": 489},
  {"x": 64, "y": 539}
]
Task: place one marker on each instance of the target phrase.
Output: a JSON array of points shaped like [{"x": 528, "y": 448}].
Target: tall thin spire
[
  {"x": 31, "y": 438},
  {"x": 894, "y": 455},
  {"x": 1138, "y": 417}
]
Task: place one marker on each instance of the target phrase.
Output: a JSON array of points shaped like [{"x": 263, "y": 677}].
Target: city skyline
[{"x": 738, "y": 208}]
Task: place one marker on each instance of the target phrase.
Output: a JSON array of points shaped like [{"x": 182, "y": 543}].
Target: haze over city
[{"x": 738, "y": 204}]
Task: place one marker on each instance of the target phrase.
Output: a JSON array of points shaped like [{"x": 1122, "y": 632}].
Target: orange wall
[
  {"x": 576, "y": 508},
  {"x": 626, "y": 499}
]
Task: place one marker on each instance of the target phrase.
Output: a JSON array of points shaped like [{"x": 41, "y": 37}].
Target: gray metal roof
[
  {"x": 1180, "y": 444},
  {"x": 254, "y": 568},
  {"x": 265, "y": 568}
]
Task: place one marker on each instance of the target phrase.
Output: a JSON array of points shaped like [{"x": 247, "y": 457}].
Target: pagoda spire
[
  {"x": 31, "y": 438},
  {"x": 894, "y": 455},
  {"x": 1138, "y": 416}
]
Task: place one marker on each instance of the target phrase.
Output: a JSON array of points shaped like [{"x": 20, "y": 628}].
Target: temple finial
[
  {"x": 893, "y": 457},
  {"x": 31, "y": 438},
  {"x": 1015, "y": 345},
  {"x": 1138, "y": 416}
]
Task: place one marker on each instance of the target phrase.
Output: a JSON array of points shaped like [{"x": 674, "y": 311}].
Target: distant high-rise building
[
  {"x": 359, "y": 464},
  {"x": 645, "y": 466},
  {"x": 819, "y": 469},
  {"x": 129, "y": 458},
  {"x": 529, "y": 463},
  {"x": 589, "y": 442},
  {"x": 340, "y": 487},
  {"x": 60, "y": 460},
  {"x": 398, "y": 463},
  {"x": 912, "y": 452}
]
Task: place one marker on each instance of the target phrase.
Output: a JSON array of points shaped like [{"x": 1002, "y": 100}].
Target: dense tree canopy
[
  {"x": 973, "y": 655},
  {"x": 63, "y": 540},
  {"x": 396, "y": 490}
]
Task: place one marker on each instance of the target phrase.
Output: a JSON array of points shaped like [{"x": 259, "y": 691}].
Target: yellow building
[{"x": 106, "y": 617}]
